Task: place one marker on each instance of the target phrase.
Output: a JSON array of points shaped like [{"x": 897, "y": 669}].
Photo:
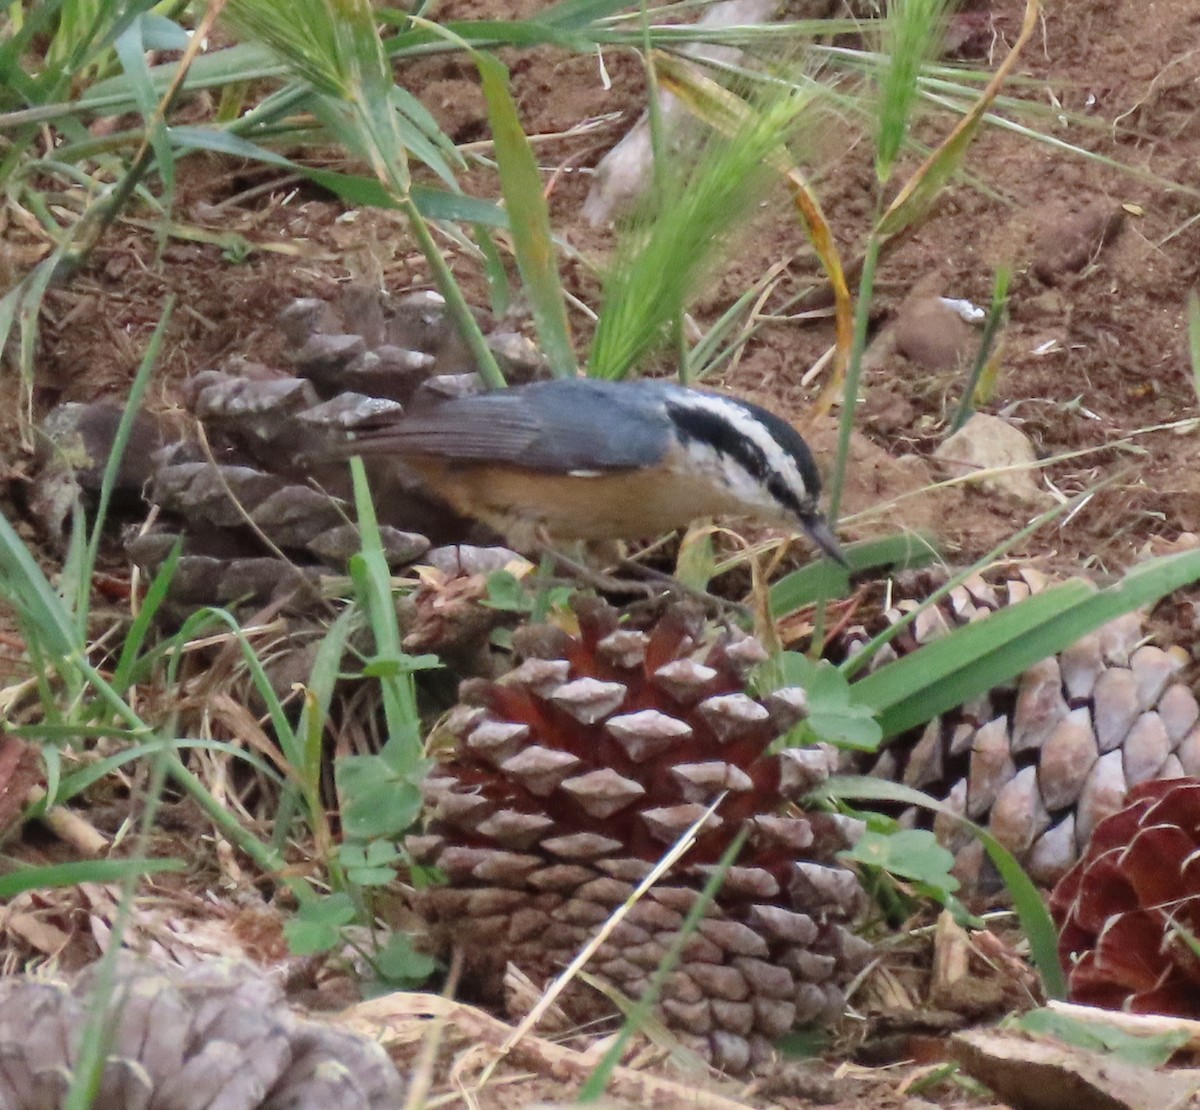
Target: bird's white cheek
[{"x": 742, "y": 493}]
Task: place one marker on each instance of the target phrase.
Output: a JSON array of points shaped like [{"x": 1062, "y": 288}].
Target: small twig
[{"x": 69, "y": 827}]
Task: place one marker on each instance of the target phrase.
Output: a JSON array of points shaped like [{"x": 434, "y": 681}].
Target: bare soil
[{"x": 1095, "y": 368}]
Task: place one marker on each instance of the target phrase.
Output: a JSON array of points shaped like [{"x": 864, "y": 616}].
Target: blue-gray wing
[{"x": 561, "y": 425}]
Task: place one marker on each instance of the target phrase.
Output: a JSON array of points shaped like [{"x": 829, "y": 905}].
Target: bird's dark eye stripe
[
  {"x": 702, "y": 426},
  {"x": 785, "y": 495}
]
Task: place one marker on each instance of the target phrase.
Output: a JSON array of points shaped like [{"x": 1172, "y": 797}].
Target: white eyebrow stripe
[{"x": 748, "y": 426}]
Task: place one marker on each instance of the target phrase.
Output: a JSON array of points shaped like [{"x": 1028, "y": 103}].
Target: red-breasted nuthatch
[{"x": 581, "y": 458}]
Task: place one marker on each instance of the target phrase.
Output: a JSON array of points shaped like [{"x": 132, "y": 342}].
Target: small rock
[
  {"x": 931, "y": 333},
  {"x": 1066, "y": 246},
  {"x": 988, "y": 443},
  {"x": 464, "y": 558}
]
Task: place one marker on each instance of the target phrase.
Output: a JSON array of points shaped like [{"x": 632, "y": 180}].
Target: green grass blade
[
  {"x": 1035, "y": 919},
  {"x": 131, "y": 50},
  {"x": 824, "y": 578},
  {"x": 76, "y": 782},
  {"x": 529, "y": 218},
  {"x": 434, "y": 204},
  {"x": 968, "y": 661},
  {"x": 995, "y": 317},
  {"x": 135, "y": 638},
  {"x": 373, "y": 581},
  {"x": 25, "y": 588},
  {"x": 85, "y": 871},
  {"x": 113, "y": 464},
  {"x": 574, "y": 14}
]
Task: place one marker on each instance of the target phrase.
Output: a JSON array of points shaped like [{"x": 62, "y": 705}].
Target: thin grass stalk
[
  {"x": 598, "y": 1081},
  {"x": 97, "y": 1030},
  {"x": 373, "y": 582},
  {"x": 996, "y": 311},
  {"x": 1194, "y": 339},
  {"x": 862, "y": 320},
  {"x": 141, "y": 380}
]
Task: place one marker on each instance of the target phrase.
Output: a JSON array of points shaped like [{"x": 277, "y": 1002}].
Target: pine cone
[
  {"x": 214, "y": 1034},
  {"x": 574, "y": 773},
  {"x": 269, "y": 482},
  {"x": 1042, "y": 760},
  {"x": 1129, "y": 911}
]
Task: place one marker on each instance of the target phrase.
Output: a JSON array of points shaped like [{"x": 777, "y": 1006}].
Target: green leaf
[
  {"x": 506, "y": 592},
  {"x": 1150, "y": 1050},
  {"x": 907, "y": 853},
  {"x": 372, "y": 864},
  {"x": 835, "y": 714},
  {"x": 400, "y": 965},
  {"x": 968, "y": 661},
  {"x": 376, "y": 800},
  {"x": 318, "y": 923}
]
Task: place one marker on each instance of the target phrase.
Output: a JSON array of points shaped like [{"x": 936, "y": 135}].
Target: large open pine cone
[
  {"x": 262, "y": 501},
  {"x": 1040, "y": 761},
  {"x": 577, "y": 771},
  {"x": 216, "y": 1034},
  {"x": 1129, "y": 911}
]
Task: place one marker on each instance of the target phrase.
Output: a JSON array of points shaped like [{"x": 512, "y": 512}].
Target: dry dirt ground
[{"x": 1095, "y": 366}]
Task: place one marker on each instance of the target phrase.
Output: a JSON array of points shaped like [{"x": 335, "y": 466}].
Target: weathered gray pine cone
[
  {"x": 1042, "y": 760},
  {"x": 577, "y": 771},
  {"x": 217, "y": 1034},
  {"x": 271, "y": 486}
]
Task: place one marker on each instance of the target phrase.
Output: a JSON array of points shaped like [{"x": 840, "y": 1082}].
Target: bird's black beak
[{"x": 822, "y": 535}]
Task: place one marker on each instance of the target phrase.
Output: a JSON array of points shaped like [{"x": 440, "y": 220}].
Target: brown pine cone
[
  {"x": 217, "y": 1033},
  {"x": 1129, "y": 911},
  {"x": 578, "y": 770},
  {"x": 1041, "y": 760}
]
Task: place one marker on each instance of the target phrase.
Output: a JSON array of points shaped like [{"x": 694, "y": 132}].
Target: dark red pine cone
[{"x": 1129, "y": 911}]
